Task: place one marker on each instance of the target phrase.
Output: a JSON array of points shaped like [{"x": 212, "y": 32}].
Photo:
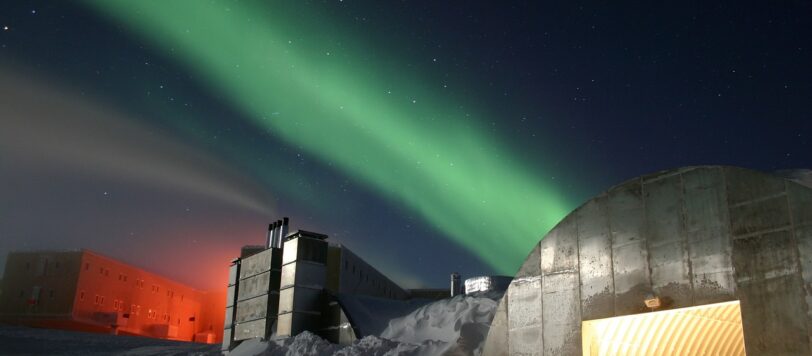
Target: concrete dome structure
[{"x": 723, "y": 256}]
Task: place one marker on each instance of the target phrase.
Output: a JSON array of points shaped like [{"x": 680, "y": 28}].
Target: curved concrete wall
[{"x": 690, "y": 236}]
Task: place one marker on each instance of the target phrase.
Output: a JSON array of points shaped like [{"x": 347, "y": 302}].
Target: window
[
  {"x": 87, "y": 266},
  {"x": 101, "y": 270},
  {"x": 51, "y": 294},
  {"x": 135, "y": 309},
  {"x": 22, "y": 293},
  {"x": 81, "y": 296}
]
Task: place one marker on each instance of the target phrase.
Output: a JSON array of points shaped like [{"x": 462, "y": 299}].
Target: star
[{"x": 5, "y": 28}]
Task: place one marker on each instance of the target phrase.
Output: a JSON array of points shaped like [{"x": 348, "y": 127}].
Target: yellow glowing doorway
[{"x": 713, "y": 329}]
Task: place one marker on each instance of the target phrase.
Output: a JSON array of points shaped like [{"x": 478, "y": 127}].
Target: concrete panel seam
[
  {"x": 798, "y": 266},
  {"x": 759, "y": 199},
  {"x": 762, "y": 232},
  {"x": 686, "y": 246}
]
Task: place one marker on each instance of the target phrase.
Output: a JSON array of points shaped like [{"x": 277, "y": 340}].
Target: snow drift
[{"x": 454, "y": 326}]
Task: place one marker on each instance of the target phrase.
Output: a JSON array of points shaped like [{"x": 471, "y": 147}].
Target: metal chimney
[
  {"x": 283, "y": 231},
  {"x": 271, "y": 237},
  {"x": 276, "y": 240},
  {"x": 276, "y": 227}
]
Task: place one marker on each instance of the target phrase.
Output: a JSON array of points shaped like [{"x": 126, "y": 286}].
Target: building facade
[
  {"x": 86, "y": 291},
  {"x": 698, "y": 260},
  {"x": 294, "y": 284}
]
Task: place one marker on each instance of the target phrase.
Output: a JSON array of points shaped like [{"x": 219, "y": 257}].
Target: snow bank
[
  {"x": 461, "y": 323},
  {"x": 456, "y": 326}
]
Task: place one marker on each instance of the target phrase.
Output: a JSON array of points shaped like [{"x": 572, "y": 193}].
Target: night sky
[{"x": 427, "y": 136}]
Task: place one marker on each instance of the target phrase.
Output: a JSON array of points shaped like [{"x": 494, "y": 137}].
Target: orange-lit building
[{"x": 83, "y": 290}]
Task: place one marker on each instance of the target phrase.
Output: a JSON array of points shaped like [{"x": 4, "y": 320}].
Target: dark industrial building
[
  {"x": 296, "y": 282},
  {"x": 694, "y": 261},
  {"x": 86, "y": 291}
]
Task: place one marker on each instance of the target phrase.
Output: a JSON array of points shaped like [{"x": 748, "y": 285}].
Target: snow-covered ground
[
  {"x": 15, "y": 340},
  {"x": 454, "y": 326}
]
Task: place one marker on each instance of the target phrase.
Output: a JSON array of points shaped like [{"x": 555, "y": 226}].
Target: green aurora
[{"x": 318, "y": 90}]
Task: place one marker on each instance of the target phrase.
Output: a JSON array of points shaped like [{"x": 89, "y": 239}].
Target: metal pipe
[
  {"x": 277, "y": 226},
  {"x": 271, "y": 240},
  {"x": 283, "y": 231}
]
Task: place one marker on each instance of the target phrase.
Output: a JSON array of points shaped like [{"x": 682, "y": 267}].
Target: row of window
[
  {"x": 365, "y": 278},
  {"x": 42, "y": 266},
  {"x": 35, "y": 293},
  {"x": 138, "y": 282}
]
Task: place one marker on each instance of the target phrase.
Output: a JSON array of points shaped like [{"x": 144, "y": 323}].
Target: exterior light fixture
[{"x": 652, "y": 302}]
